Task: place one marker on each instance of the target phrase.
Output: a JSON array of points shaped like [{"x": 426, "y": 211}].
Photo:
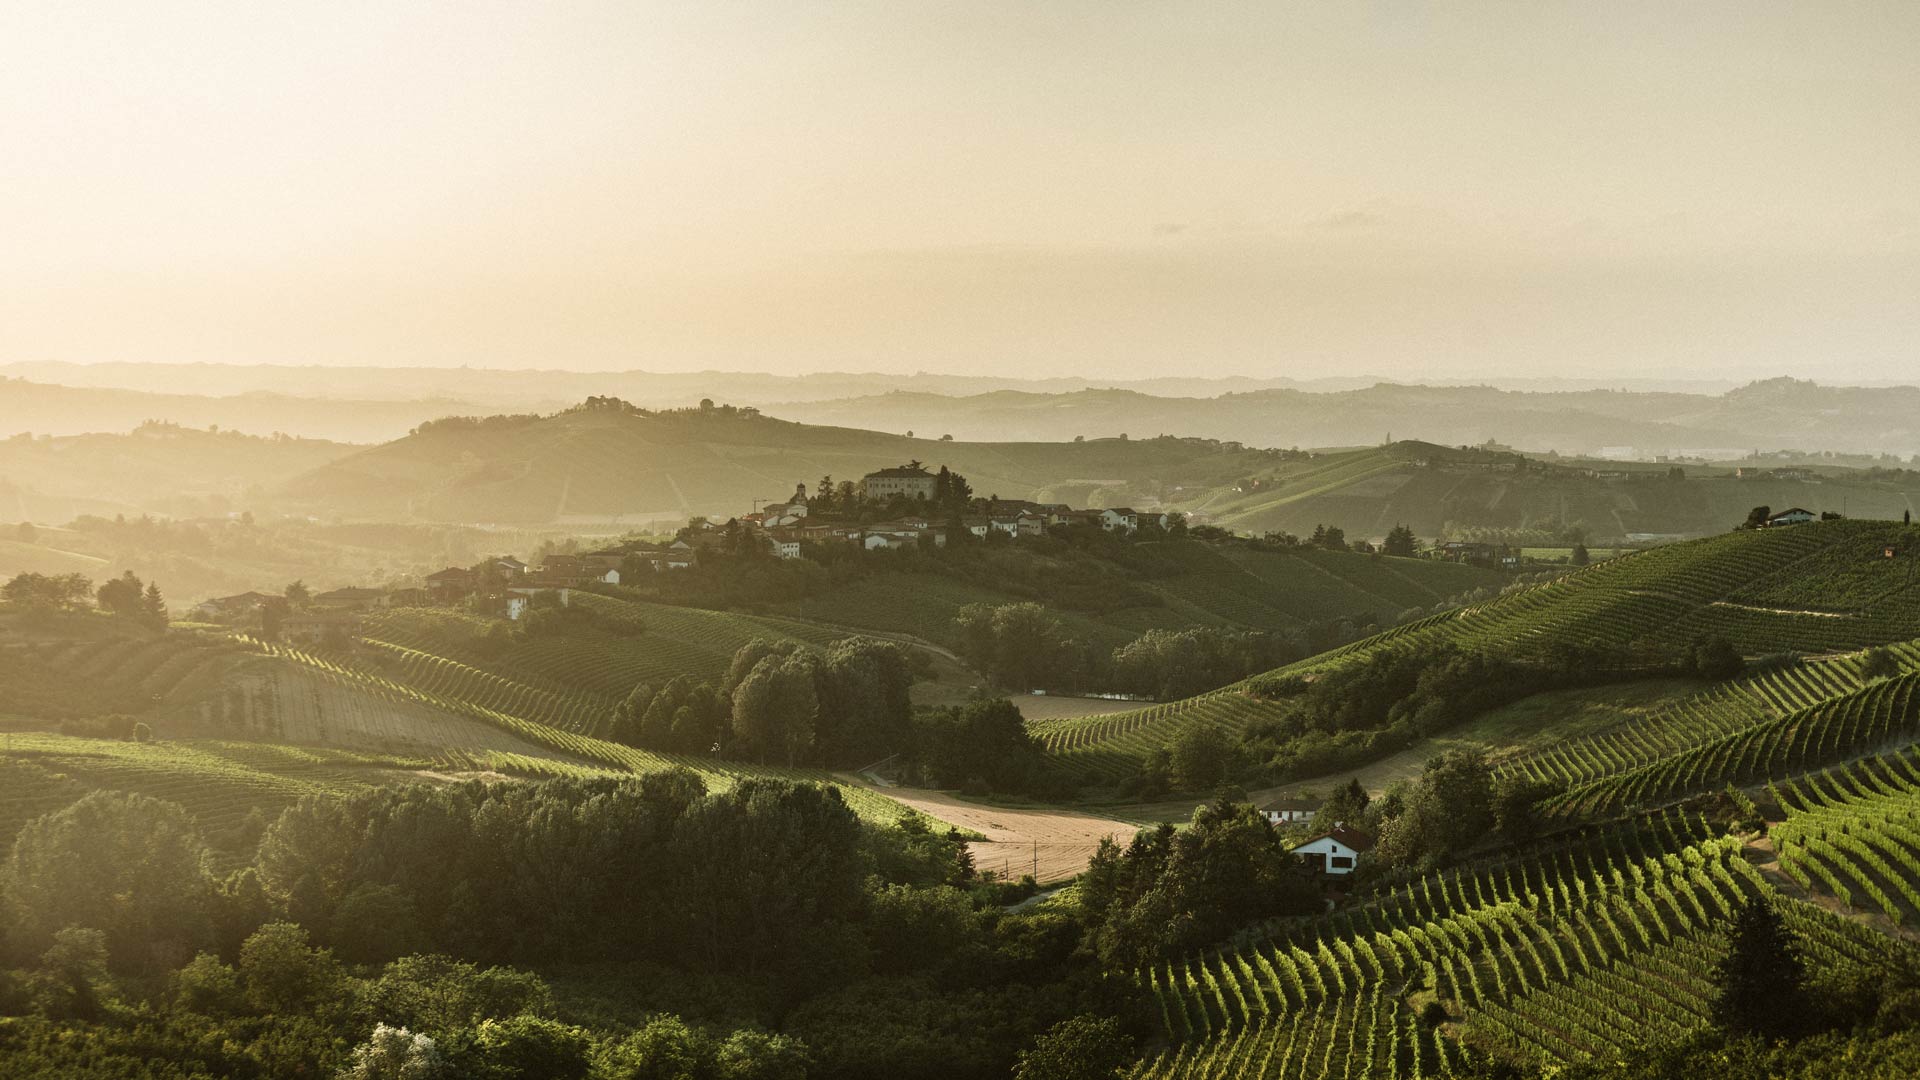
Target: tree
[
  {"x": 1202, "y": 758},
  {"x": 124, "y": 595},
  {"x": 297, "y": 592},
  {"x": 1079, "y": 1048},
  {"x": 153, "y": 607},
  {"x": 1761, "y": 981},
  {"x": 127, "y": 865},
  {"x": 26, "y": 533},
  {"x": 1879, "y": 663},
  {"x": 283, "y": 973},
  {"x": 1757, "y": 517},
  {"x": 775, "y": 706},
  {"x": 1580, "y": 556},
  {"x": 1401, "y": 541},
  {"x": 1346, "y": 806},
  {"x": 1715, "y": 658}
]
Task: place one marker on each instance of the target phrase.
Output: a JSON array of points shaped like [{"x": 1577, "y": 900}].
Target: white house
[
  {"x": 1336, "y": 850},
  {"x": 1290, "y": 809},
  {"x": 1795, "y": 516},
  {"x": 786, "y": 549},
  {"x": 1119, "y": 518}
]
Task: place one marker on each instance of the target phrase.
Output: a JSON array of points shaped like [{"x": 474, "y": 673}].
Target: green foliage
[
  {"x": 1761, "y": 982},
  {"x": 1168, "y": 891},
  {"x": 128, "y": 866},
  {"x": 982, "y": 743},
  {"x": 1079, "y": 1048}
]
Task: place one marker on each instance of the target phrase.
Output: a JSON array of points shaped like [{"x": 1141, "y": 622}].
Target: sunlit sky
[{"x": 1009, "y": 188}]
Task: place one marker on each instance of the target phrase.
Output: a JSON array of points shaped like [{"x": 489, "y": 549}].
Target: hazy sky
[{"x": 1097, "y": 188}]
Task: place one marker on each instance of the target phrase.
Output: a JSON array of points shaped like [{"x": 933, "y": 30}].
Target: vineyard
[
  {"x": 1665, "y": 597},
  {"x": 218, "y": 782},
  {"x": 1576, "y": 950}
]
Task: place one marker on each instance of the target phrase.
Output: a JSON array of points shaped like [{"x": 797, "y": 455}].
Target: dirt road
[{"x": 1060, "y": 841}]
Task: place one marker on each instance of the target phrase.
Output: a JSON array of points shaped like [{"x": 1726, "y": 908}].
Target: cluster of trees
[
  {"x": 1168, "y": 664},
  {"x": 1024, "y": 646},
  {"x": 982, "y": 745},
  {"x": 381, "y": 936},
  {"x": 1397, "y": 696},
  {"x": 1170, "y": 891},
  {"x": 782, "y": 702},
  {"x": 125, "y": 595},
  {"x": 47, "y": 592}
]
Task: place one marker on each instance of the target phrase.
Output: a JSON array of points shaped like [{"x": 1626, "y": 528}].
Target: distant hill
[
  {"x": 1496, "y": 495},
  {"x": 1769, "y": 415},
  {"x": 604, "y": 466},
  {"x": 47, "y": 409}
]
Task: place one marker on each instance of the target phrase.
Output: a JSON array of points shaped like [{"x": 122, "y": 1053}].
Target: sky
[{"x": 1104, "y": 188}]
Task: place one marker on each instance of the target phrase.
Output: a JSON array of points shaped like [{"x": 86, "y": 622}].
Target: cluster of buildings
[
  {"x": 506, "y": 585},
  {"x": 788, "y": 523}
]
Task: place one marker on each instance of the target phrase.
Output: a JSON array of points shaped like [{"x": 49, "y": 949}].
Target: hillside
[
  {"x": 1482, "y": 494},
  {"x": 155, "y": 468},
  {"x": 1177, "y": 583},
  {"x": 608, "y": 466},
  {"x": 1816, "y": 588},
  {"x": 413, "y": 713}
]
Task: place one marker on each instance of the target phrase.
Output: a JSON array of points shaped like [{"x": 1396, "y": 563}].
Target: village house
[
  {"x": 1336, "y": 850},
  {"x": 1793, "y": 516},
  {"x": 450, "y": 585},
  {"x": 911, "y": 480},
  {"x": 228, "y": 607},
  {"x": 1119, "y": 519},
  {"x": 1289, "y": 809}
]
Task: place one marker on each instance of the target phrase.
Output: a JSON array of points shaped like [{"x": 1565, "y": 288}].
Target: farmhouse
[
  {"x": 1794, "y": 516},
  {"x": 1289, "y": 809},
  {"x": 1336, "y": 850},
  {"x": 911, "y": 480}
]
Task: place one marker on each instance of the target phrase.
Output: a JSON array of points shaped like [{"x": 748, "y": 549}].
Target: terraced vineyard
[
  {"x": 1665, "y": 597},
  {"x": 1574, "y": 951},
  {"x": 1885, "y": 711},
  {"x": 676, "y": 641},
  {"x": 1853, "y": 833},
  {"x": 559, "y": 725}
]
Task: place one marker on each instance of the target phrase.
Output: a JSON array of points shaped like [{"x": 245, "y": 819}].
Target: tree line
[{"x": 395, "y": 933}]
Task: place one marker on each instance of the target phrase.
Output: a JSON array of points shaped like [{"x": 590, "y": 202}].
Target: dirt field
[
  {"x": 1061, "y": 840},
  {"x": 1053, "y": 707}
]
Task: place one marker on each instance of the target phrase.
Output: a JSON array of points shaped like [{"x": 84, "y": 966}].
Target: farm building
[
  {"x": 1290, "y": 809},
  {"x": 1336, "y": 850}
]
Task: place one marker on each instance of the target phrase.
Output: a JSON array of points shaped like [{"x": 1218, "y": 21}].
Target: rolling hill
[
  {"x": 157, "y": 468},
  {"x": 611, "y": 465},
  {"x": 1818, "y": 589}
]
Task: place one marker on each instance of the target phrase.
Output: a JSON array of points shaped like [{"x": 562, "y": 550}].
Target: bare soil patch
[{"x": 1053, "y": 845}]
